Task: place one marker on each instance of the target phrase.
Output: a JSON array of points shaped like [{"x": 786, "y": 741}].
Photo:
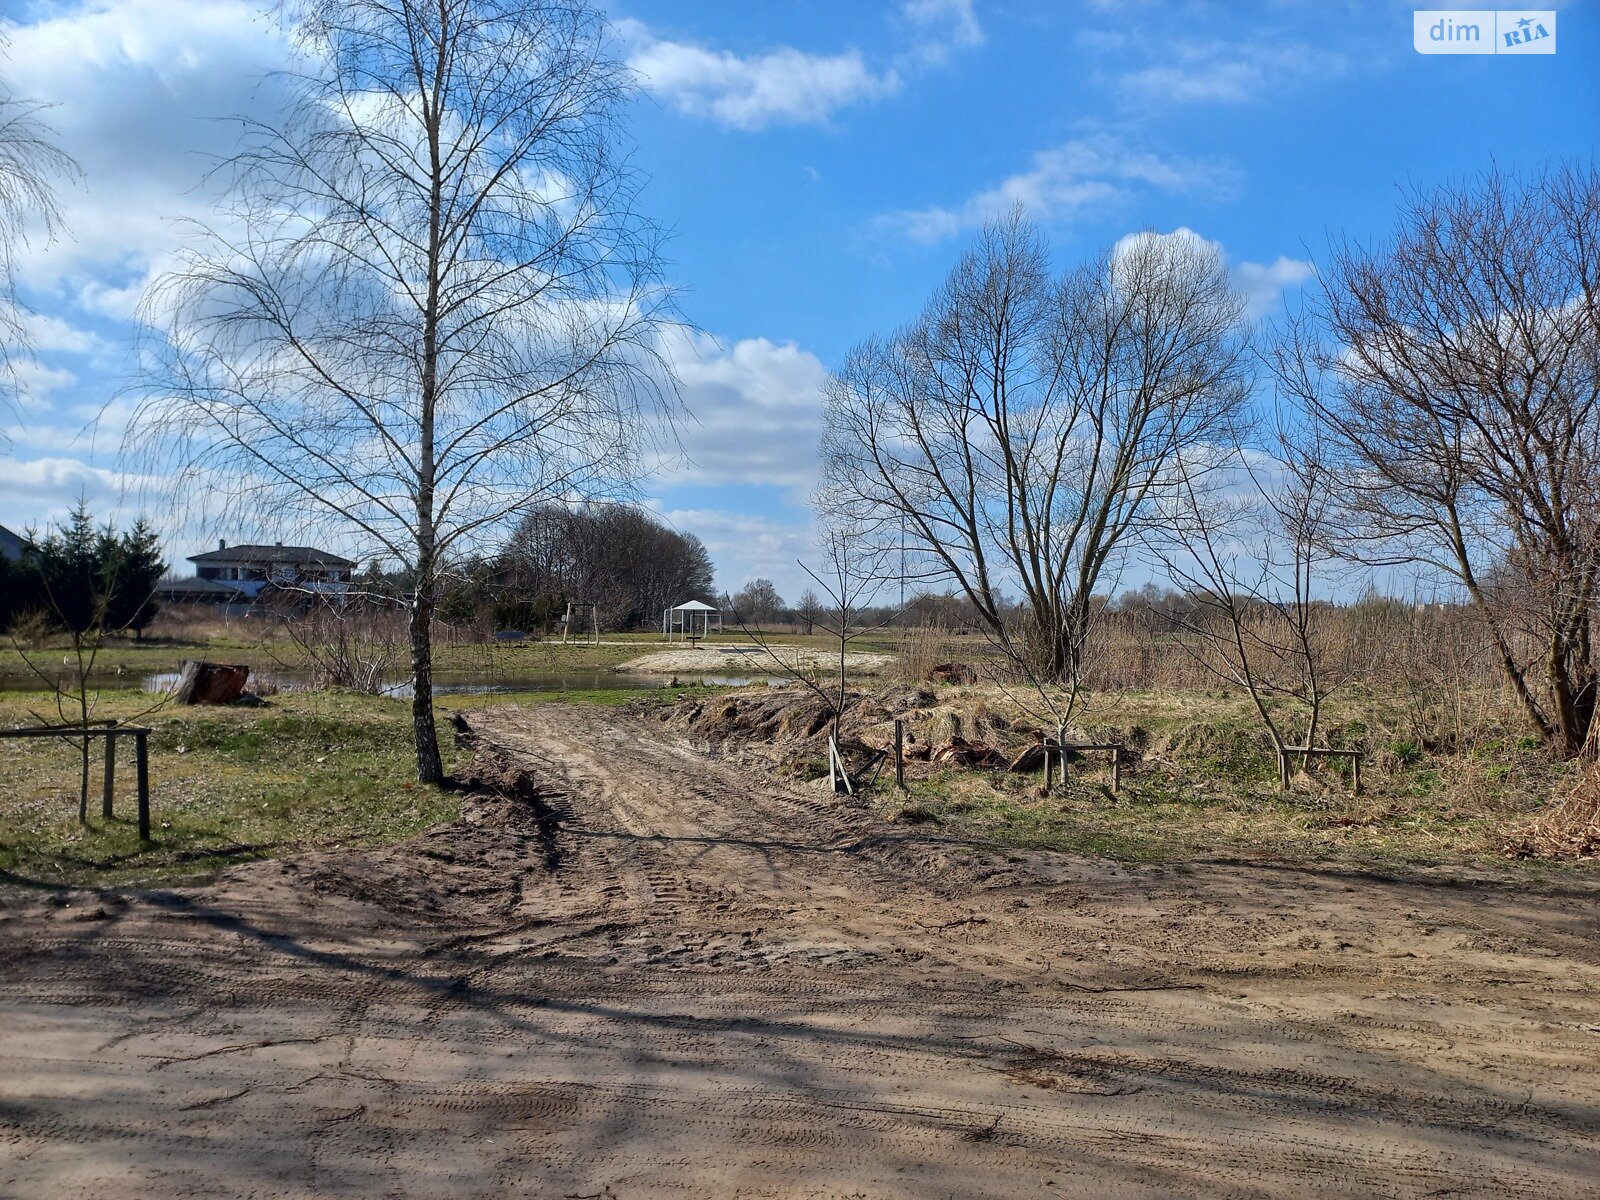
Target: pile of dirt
[
  {"x": 794, "y": 722},
  {"x": 796, "y": 715}
]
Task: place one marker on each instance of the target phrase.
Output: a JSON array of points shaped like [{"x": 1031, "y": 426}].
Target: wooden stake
[
  {"x": 108, "y": 784},
  {"x": 836, "y": 770},
  {"x": 1116, "y": 769},
  {"x": 900, "y": 753},
  {"x": 141, "y": 756}
]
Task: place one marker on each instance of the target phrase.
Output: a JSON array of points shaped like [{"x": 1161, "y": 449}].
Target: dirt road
[{"x": 688, "y": 980}]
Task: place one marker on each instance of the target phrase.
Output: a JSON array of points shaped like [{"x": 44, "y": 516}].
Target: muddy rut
[{"x": 633, "y": 970}]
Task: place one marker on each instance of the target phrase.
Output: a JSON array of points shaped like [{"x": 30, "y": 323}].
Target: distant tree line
[
  {"x": 83, "y": 578},
  {"x": 619, "y": 561}
]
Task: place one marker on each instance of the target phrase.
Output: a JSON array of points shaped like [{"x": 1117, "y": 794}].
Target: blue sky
[{"x": 821, "y": 164}]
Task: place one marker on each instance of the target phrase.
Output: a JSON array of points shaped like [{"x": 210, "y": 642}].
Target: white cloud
[
  {"x": 941, "y": 27},
  {"x": 35, "y": 380},
  {"x": 36, "y": 491},
  {"x": 756, "y": 409},
  {"x": 783, "y": 86},
  {"x": 141, "y": 91},
  {"x": 1261, "y": 284},
  {"x": 787, "y": 86},
  {"x": 1150, "y": 68},
  {"x": 1083, "y": 175},
  {"x": 53, "y": 334},
  {"x": 745, "y": 547},
  {"x": 1264, "y": 284}
]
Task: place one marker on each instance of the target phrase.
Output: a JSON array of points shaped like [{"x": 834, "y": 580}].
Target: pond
[{"x": 445, "y": 682}]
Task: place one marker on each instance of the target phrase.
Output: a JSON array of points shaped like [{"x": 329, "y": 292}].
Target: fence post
[
  {"x": 141, "y": 755},
  {"x": 836, "y": 769},
  {"x": 900, "y": 753},
  {"x": 109, "y": 782}
]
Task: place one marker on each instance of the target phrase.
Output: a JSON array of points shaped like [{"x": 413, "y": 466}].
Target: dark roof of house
[
  {"x": 195, "y": 589},
  {"x": 10, "y": 544},
  {"x": 304, "y": 555}
]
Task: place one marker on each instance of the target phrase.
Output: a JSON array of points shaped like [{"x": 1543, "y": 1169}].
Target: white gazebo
[{"x": 689, "y": 621}]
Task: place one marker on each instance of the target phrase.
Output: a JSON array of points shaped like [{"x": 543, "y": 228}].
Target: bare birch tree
[
  {"x": 432, "y": 304},
  {"x": 1456, "y": 367},
  {"x": 1021, "y": 430},
  {"x": 30, "y": 165}
]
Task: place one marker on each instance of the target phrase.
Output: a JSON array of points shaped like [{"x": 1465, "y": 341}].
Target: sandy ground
[
  {"x": 686, "y": 980},
  {"x": 752, "y": 660}
]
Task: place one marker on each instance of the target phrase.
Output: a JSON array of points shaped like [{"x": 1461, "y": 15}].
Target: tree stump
[{"x": 211, "y": 683}]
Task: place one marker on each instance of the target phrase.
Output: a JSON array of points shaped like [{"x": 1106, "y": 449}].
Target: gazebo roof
[{"x": 692, "y": 606}]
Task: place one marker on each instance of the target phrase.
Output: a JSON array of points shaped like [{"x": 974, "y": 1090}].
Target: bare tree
[
  {"x": 30, "y": 165},
  {"x": 350, "y": 641},
  {"x": 1456, "y": 367},
  {"x": 758, "y": 602},
  {"x": 853, "y": 567},
  {"x": 1246, "y": 545},
  {"x": 1020, "y": 432},
  {"x": 434, "y": 304},
  {"x": 808, "y": 609}
]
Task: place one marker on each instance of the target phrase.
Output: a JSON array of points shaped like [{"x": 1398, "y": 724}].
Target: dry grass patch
[{"x": 230, "y": 784}]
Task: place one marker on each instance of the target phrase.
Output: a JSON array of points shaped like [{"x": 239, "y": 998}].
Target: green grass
[
  {"x": 1422, "y": 818},
  {"x": 227, "y": 785},
  {"x": 306, "y": 770},
  {"x": 264, "y": 647}
]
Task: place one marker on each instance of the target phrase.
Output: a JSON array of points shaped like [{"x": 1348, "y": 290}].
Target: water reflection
[{"x": 445, "y": 682}]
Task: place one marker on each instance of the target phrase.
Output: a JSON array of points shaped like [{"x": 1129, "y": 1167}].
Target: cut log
[
  {"x": 952, "y": 673},
  {"x": 968, "y": 754},
  {"x": 1029, "y": 758},
  {"x": 211, "y": 683}
]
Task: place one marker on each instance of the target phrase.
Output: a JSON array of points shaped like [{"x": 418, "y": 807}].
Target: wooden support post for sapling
[
  {"x": 1355, "y": 773},
  {"x": 900, "y": 753},
  {"x": 1046, "y": 787},
  {"x": 141, "y": 755},
  {"x": 1116, "y": 769},
  {"x": 108, "y": 783},
  {"x": 837, "y": 774}
]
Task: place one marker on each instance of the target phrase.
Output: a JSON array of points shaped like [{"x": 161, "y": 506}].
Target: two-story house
[
  {"x": 10, "y": 544},
  {"x": 250, "y": 570}
]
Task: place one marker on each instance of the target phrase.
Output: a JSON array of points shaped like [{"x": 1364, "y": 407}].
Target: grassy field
[
  {"x": 264, "y": 648},
  {"x": 229, "y": 784},
  {"x": 1205, "y": 786},
  {"x": 329, "y": 769}
]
